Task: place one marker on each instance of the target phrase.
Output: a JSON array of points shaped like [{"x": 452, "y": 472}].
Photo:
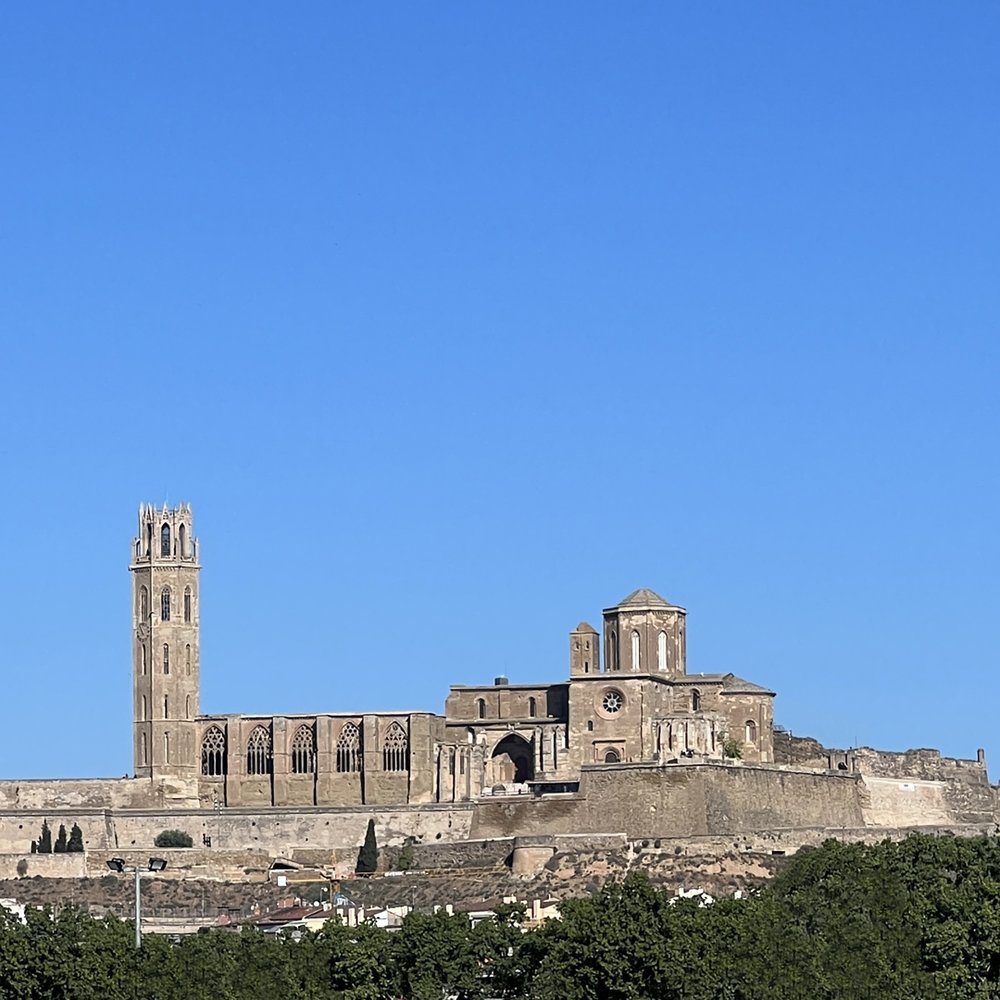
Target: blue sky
[{"x": 458, "y": 322}]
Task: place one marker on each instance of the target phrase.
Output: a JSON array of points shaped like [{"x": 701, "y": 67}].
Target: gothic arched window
[
  {"x": 481, "y": 707},
  {"x": 750, "y": 731},
  {"x": 187, "y": 706},
  {"x": 636, "y": 664},
  {"x": 395, "y": 750},
  {"x": 142, "y": 657},
  {"x": 182, "y": 541},
  {"x": 144, "y": 757},
  {"x": 213, "y": 753},
  {"x": 304, "y": 751},
  {"x": 612, "y": 757},
  {"x": 187, "y": 605},
  {"x": 143, "y": 605},
  {"x": 187, "y": 659},
  {"x": 142, "y": 714},
  {"x": 166, "y": 658},
  {"x": 165, "y": 604},
  {"x": 259, "y": 751},
  {"x": 349, "y": 749},
  {"x": 166, "y": 706},
  {"x": 661, "y": 651},
  {"x": 166, "y": 748},
  {"x": 532, "y": 708},
  {"x": 613, "y": 650},
  {"x": 695, "y": 701},
  {"x": 165, "y": 540}
]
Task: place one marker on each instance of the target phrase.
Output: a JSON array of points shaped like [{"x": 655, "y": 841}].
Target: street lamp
[{"x": 155, "y": 865}]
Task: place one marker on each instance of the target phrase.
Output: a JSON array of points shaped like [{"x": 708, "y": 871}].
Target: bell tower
[{"x": 165, "y": 649}]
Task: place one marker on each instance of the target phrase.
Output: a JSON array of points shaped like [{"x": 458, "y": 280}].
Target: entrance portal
[{"x": 521, "y": 754}]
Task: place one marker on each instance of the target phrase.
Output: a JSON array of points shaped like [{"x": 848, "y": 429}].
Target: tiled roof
[{"x": 644, "y": 598}]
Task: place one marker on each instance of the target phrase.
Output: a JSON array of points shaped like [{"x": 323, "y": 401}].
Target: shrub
[
  {"x": 22, "y": 868},
  {"x": 75, "y": 845},
  {"x": 173, "y": 838}
]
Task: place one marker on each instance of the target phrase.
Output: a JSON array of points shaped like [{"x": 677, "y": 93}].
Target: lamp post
[{"x": 155, "y": 865}]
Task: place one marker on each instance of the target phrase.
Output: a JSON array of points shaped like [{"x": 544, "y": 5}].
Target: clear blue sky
[{"x": 457, "y": 322}]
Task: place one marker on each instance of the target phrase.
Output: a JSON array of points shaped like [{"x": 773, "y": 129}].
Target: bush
[
  {"x": 173, "y": 838},
  {"x": 22, "y": 868},
  {"x": 75, "y": 845}
]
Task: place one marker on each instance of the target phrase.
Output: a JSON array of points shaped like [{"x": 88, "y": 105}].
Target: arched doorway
[{"x": 521, "y": 754}]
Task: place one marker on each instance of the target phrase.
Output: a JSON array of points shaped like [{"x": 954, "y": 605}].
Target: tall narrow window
[
  {"x": 187, "y": 605},
  {"x": 395, "y": 750},
  {"x": 165, "y": 540},
  {"x": 349, "y": 749},
  {"x": 165, "y": 604},
  {"x": 182, "y": 541},
  {"x": 144, "y": 752},
  {"x": 259, "y": 752},
  {"x": 143, "y": 606},
  {"x": 213, "y": 753},
  {"x": 304, "y": 751},
  {"x": 481, "y": 707},
  {"x": 636, "y": 663},
  {"x": 142, "y": 657},
  {"x": 532, "y": 708},
  {"x": 187, "y": 706},
  {"x": 750, "y": 732},
  {"x": 166, "y": 706},
  {"x": 187, "y": 659},
  {"x": 661, "y": 651},
  {"x": 695, "y": 701},
  {"x": 142, "y": 714},
  {"x": 149, "y": 541},
  {"x": 166, "y": 748},
  {"x": 613, "y": 650},
  {"x": 166, "y": 658}
]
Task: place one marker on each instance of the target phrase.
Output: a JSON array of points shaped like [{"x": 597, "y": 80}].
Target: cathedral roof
[
  {"x": 644, "y": 598},
  {"x": 585, "y": 627}
]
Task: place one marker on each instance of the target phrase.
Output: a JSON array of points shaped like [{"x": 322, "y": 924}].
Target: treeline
[{"x": 915, "y": 920}]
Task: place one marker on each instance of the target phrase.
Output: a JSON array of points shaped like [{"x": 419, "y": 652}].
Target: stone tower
[
  {"x": 165, "y": 656},
  {"x": 643, "y": 633}
]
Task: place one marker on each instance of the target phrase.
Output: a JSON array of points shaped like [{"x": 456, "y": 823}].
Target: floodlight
[
  {"x": 116, "y": 864},
  {"x": 157, "y": 864}
]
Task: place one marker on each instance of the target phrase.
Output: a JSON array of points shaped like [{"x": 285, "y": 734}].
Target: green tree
[
  {"x": 173, "y": 838},
  {"x": 60, "y": 847},
  {"x": 45, "y": 839},
  {"x": 368, "y": 854},
  {"x": 75, "y": 844}
]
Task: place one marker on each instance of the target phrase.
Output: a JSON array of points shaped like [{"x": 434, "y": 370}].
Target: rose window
[{"x": 612, "y": 702}]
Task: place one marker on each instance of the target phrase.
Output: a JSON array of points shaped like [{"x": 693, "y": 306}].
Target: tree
[
  {"x": 368, "y": 855},
  {"x": 173, "y": 838},
  {"x": 75, "y": 845},
  {"x": 45, "y": 840},
  {"x": 61, "y": 840}
]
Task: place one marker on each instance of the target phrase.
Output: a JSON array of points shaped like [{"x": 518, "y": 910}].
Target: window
[
  {"x": 481, "y": 708},
  {"x": 142, "y": 657},
  {"x": 165, "y": 604},
  {"x": 395, "y": 751},
  {"x": 695, "y": 701},
  {"x": 165, "y": 540},
  {"x": 750, "y": 732},
  {"x": 590, "y": 725},
  {"x": 612, "y": 702},
  {"x": 636, "y": 662},
  {"x": 166, "y": 658},
  {"x": 182, "y": 541},
  {"x": 166, "y": 706},
  {"x": 149, "y": 540},
  {"x": 187, "y": 706},
  {"x": 187, "y": 605},
  {"x": 213, "y": 753},
  {"x": 304, "y": 751},
  {"x": 259, "y": 751},
  {"x": 349, "y": 750},
  {"x": 142, "y": 712},
  {"x": 661, "y": 651},
  {"x": 166, "y": 748},
  {"x": 532, "y": 708},
  {"x": 144, "y": 754},
  {"x": 143, "y": 605},
  {"x": 187, "y": 659},
  {"x": 612, "y": 757},
  {"x": 613, "y": 650}
]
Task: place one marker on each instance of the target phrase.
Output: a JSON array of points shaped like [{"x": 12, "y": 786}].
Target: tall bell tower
[{"x": 165, "y": 650}]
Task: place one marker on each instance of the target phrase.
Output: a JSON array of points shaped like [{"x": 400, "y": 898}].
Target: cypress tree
[
  {"x": 75, "y": 845},
  {"x": 61, "y": 840},
  {"x": 45, "y": 840},
  {"x": 368, "y": 855}
]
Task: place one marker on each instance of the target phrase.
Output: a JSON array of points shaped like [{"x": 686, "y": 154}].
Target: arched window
[
  {"x": 187, "y": 706},
  {"x": 165, "y": 540},
  {"x": 166, "y": 658},
  {"x": 750, "y": 732},
  {"x": 213, "y": 753},
  {"x": 613, "y": 650},
  {"x": 304, "y": 751},
  {"x": 144, "y": 753},
  {"x": 142, "y": 657},
  {"x": 166, "y": 748},
  {"x": 612, "y": 757},
  {"x": 661, "y": 651},
  {"x": 349, "y": 749},
  {"x": 142, "y": 711},
  {"x": 532, "y": 708},
  {"x": 636, "y": 662},
  {"x": 143, "y": 605},
  {"x": 149, "y": 540},
  {"x": 165, "y": 604},
  {"x": 590, "y": 725},
  {"x": 187, "y": 659},
  {"x": 182, "y": 541},
  {"x": 259, "y": 751},
  {"x": 481, "y": 707},
  {"x": 166, "y": 706},
  {"x": 395, "y": 750},
  {"x": 187, "y": 605},
  {"x": 695, "y": 701}
]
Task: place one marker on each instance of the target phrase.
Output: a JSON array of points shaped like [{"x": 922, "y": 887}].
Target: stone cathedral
[{"x": 628, "y": 700}]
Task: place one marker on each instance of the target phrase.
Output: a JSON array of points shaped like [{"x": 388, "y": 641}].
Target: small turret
[{"x": 584, "y": 650}]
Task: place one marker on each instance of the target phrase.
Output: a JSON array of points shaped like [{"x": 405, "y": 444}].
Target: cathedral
[{"x": 628, "y": 699}]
